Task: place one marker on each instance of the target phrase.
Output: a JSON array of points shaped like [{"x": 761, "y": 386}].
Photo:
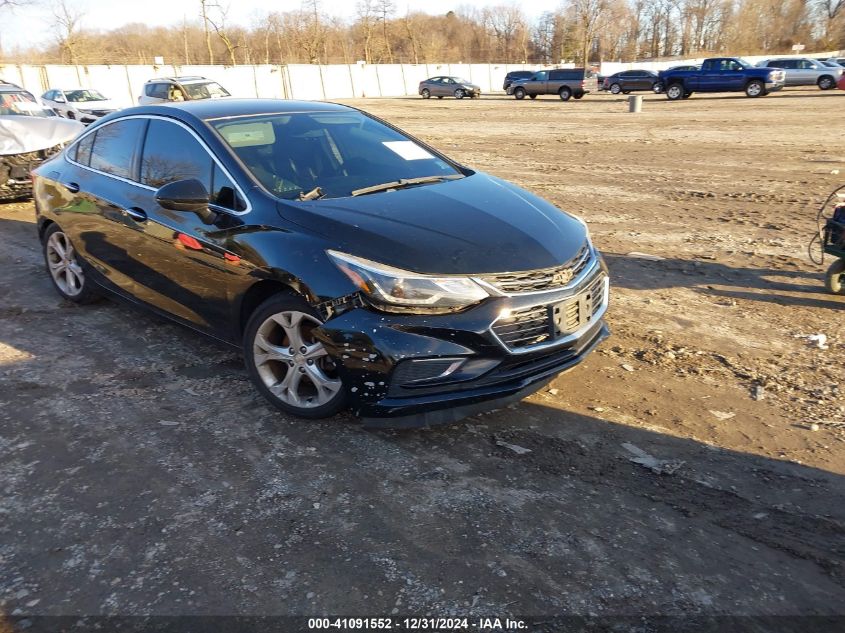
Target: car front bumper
[{"x": 416, "y": 370}]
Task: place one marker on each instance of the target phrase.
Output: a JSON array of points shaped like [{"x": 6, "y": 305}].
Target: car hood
[
  {"x": 478, "y": 224},
  {"x": 22, "y": 134}
]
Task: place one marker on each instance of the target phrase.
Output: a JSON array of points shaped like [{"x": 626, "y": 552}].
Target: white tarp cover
[{"x": 21, "y": 134}]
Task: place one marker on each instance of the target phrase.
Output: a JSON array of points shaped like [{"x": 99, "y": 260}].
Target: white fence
[{"x": 291, "y": 81}]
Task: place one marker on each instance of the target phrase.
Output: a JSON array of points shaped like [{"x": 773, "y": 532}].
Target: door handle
[
  {"x": 72, "y": 187},
  {"x": 139, "y": 215}
]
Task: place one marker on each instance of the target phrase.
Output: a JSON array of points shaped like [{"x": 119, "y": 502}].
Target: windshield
[
  {"x": 210, "y": 90},
  {"x": 460, "y": 80},
  {"x": 81, "y": 96},
  {"x": 22, "y": 103},
  {"x": 339, "y": 152}
]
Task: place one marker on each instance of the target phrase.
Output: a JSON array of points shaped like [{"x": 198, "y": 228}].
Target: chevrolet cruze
[{"x": 354, "y": 265}]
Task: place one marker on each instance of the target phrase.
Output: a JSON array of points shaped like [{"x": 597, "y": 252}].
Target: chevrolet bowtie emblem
[{"x": 562, "y": 277}]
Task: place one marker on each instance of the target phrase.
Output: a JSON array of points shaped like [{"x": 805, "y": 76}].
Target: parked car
[
  {"x": 353, "y": 264},
  {"x": 564, "y": 82},
  {"x": 841, "y": 83},
  {"x": 29, "y": 134},
  {"x": 83, "y": 104},
  {"x": 838, "y": 60},
  {"x": 685, "y": 67},
  {"x": 515, "y": 74},
  {"x": 188, "y": 88},
  {"x": 721, "y": 74},
  {"x": 448, "y": 87},
  {"x": 830, "y": 63},
  {"x": 803, "y": 71},
  {"x": 628, "y": 81}
]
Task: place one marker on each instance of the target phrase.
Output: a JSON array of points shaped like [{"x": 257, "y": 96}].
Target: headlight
[{"x": 397, "y": 290}]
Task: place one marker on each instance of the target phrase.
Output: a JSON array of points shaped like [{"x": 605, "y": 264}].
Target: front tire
[
  {"x": 675, "y": 92},
  {"x": 287, "y": 364},
  {"x": 65, "y": 267},
  {"x": 834, "y": 280},
  {"x": 565, "y": 94},
  {"x": 755, "y": 88},
  {"x": 426, "y": 93},
  {"x": 519, "y": 93},
  {"x": 657, "y": 87},
  {"x": 826, "y": 83},
  {"x": 615, "y": 89},
  {"x": 459, "y": 94}
]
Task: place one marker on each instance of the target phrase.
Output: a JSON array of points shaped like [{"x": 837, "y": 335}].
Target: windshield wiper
[{"x": 403, "y": 182}]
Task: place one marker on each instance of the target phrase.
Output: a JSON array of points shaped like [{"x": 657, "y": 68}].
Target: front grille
[
  {"x": 542, "y": 279},
  {"x": 524, "y": 328},
  {"x": 528, "y": 327}
]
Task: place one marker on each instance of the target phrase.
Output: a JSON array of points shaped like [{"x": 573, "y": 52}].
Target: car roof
[
  {"x": 180, "y": 79},
  {"x": 208, "y": 109}
]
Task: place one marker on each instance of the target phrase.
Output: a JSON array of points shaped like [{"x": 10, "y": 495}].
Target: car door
[
  {"x": 539, "y": 84},
  {"x": 183, "y": 267},
  {"x": 100, "y": 195},
  {"x": 438, "y": 88}
]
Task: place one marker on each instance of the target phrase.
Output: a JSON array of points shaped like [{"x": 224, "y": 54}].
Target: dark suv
[
  {"x": 564, "y": 82},
  {"x": 352, "y": 264}
]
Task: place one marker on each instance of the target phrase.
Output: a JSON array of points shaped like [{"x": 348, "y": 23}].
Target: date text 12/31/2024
[{"x": 416, "y": 624}]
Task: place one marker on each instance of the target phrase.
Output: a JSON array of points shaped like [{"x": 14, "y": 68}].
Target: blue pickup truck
[{"x": 721, "y": 74}]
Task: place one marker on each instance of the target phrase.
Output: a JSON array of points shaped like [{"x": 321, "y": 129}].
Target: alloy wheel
[
  {"x": 63, "y": 265},
  {"x": 291, "y": 363}
]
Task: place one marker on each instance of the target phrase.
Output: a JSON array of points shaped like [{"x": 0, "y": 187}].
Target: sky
[{"x": 28, "y": 26}]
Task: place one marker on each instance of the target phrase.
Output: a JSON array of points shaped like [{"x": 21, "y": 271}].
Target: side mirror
[{"x": 186, "y": 195}]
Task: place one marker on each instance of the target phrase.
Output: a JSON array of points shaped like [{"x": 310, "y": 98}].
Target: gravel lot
[{"x": 141, "y": 473}]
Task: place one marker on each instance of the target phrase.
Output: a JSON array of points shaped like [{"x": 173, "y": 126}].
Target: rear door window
[
  {"x": 158, "y": 91},
  {"x": 116, "y": 146},
  {"x": 81, "y": 153}
]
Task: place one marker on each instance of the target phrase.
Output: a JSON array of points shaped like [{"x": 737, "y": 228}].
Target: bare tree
[
  {"x": 66, "y": 23},
  {"x": 218, "y": 23},
  {"x": 204, "y": 6},
  {"x": 588, "y": 16}
]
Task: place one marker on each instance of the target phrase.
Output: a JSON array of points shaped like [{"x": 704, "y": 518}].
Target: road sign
[{"x": 798, "y": 47}]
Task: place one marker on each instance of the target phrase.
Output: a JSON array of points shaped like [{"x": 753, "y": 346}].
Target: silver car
[
  {"x": 803, "y": 71},
  {"x": 83, "y": 104},
  {"x": 448, "y": 87}
]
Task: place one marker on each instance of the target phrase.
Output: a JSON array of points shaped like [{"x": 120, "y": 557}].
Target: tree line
[{"x": 579, "y": 30}]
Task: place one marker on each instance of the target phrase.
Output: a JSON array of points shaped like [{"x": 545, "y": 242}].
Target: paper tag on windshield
[{"x": 407, "y": 150}]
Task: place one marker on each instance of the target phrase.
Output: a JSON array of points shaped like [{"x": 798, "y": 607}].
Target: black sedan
[
  {"x": 353, "y": 264},
  {"x": 632, "y": 80}
]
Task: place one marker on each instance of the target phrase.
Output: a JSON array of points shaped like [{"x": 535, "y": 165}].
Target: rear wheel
[
  {"x": 426, "y": 93},
  {"x": 565, "y": 93},
  {"x": 287, "y": 364},
  {"x": 755, "y": 88},
  {"x": 615, "y": 89},
  {"x": 65, "y": 267},
  {"x": 579, "y": 95},
  {"x": 657, "y": 87},
  {"x": 834, "y": 281},
  {"x": 626, "y": 92},
  {"x": 675, "y": 92},
  {"x": 533, "y": 96},
  {"x": 459, "y": 94},
  {"x": 519, "y": 93},
  {"x": 826, "y": 82},
  {"x": 687, "y": 95}
]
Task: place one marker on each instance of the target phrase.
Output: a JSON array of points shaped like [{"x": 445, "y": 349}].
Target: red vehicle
[{"x": 841, "y": 83}]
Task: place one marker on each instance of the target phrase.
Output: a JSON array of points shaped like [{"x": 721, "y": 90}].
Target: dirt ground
[{"x": 142, "y": 474}]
